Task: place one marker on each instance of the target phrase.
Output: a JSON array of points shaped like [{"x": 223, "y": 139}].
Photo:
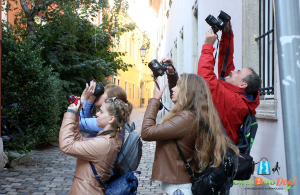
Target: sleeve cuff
[{"x": 73, "y": 111}]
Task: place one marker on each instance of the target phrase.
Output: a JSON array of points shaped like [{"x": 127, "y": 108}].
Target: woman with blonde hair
[
  {"x": 101, "y": 151},
  {"x": 187, "y": 123},
  {"x": 88, "y": 123}
]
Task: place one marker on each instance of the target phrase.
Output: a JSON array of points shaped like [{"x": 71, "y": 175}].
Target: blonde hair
[
  {"x": 119, "y": 110},
  {"x": 210, "y": 143}
]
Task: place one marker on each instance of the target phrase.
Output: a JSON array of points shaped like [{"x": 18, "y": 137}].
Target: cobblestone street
[{"x": 50, "y": 171}]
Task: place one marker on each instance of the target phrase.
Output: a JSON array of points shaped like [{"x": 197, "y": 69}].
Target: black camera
[
  {"x": 157, "y": 68},
  {"x": 99, "y": 89},
  {"x": 219, "y": 24}
]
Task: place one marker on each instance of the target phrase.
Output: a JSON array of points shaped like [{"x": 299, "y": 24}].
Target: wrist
[
  {"x": 92, "y": 99},
  {"x": 71, "y": 110},
  {"x": 170, "y": 73}
]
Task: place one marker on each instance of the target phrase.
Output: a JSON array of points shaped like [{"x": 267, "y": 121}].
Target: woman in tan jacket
[
  {"x": 101, "y": 150},
  {"x": 184, "y": 123}
]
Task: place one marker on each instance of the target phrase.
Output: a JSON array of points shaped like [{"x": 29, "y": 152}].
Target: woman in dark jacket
[{"x": 184, "y": 123}]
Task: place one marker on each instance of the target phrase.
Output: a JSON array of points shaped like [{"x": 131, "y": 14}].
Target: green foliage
[
  {"x": 25, "y": 80},
  {"x": 65, "y": 50}
]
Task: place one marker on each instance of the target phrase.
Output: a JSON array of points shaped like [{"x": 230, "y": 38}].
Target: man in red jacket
[{"x": 237, "y": 94}]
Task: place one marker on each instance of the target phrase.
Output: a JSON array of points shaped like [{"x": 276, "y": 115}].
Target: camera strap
[
  {"x": 216, "y": 50},
  {"x": 227, "y": 53}
]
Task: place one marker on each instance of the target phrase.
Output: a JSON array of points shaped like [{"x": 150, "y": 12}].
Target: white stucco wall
[{"x": 269, "y": 141}]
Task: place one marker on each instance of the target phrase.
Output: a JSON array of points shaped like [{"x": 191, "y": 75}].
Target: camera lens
[{"x": 211, "y": 20}]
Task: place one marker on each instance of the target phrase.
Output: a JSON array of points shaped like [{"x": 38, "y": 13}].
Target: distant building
[{"x": 137, "y": 81}]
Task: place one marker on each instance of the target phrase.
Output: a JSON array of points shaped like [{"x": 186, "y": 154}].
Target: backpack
[
  {"x": 247, "y": 134},
  {"x": 131, "y": 149}
]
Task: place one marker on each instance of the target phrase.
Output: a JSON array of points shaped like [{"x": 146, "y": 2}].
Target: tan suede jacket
[
  {"x": 101, "y": 151},
  {"x": 168, "y": 165}
]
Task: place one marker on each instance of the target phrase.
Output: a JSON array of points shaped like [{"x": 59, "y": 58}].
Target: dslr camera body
[
  {"x": 219, "y": 24},
  {"x": 157, "y": 68},
  {"x": 72, "y": 99},
  {"x": 99, "y": 89}
]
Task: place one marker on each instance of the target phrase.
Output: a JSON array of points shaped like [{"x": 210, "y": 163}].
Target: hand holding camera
[
  {"x": 159, "y": 69},
  {"x": 211, "y": 37},
  {"x": 220, "y": 24},
  {"x": 76, "y": 107},
  {"x": 92, "y": 91},
  {"x": 89, "y": 90}
]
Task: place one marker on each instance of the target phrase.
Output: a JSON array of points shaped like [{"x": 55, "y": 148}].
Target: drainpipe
[{"x": 288, "y": 39}]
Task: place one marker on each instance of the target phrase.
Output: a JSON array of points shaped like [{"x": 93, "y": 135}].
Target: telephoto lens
[{"x": 212, "y": 21}]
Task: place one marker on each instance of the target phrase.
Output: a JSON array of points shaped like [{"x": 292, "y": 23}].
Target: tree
[{"x": 60, "y": 53}]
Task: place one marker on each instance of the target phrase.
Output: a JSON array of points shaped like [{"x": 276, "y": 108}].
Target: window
[
  {"x": 261, "y": 55},
  {"x": 114, "y": 81},
  {"x": 133, "y": 91},
  {"x": 126, "y": 46},
  {"x": 133, "y": 50},
  {"x": 118, "y": 82},
  {"x": 266, "y": 42},
  {"x": 129, "y": 90},
  {"x": 138, "y": 92},
  {"x": 130, "y": 47},
  {"x": 126, "y": 87}
]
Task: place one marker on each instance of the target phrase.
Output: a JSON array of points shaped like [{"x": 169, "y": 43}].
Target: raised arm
[
  {"x": 207, "y": 60},
  {"x": 72, "y": 143},
  {"x": 171, "y": 129},
  {"x": 225, "y": 42}
]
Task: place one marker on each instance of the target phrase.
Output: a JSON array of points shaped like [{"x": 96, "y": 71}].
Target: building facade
[
  {"x": 137, "y": 81},
  {"x": 180, "y": 37}
]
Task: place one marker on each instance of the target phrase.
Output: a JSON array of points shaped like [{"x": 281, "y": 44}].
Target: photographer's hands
[
  {"x": 170, "y": 69},
  {"x": 88, "y": 93},
  {"x": 77, "y": 107},
  {"x": 158, "y": 93},
  {"x": 227, "y": 28},
  {"x": 211, "y": 37}
]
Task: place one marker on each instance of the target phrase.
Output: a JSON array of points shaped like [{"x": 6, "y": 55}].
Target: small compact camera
[
  {"x": 72, "y": 99},
  {"x": 157, "y": 68},
  {"x": 99, "y": 90},
  {"x": 219, "y": 24}
]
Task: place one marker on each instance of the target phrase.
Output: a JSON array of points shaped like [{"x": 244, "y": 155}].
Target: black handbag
[
  {"x": 213, "y": 180},
  {"x": 246, "y": 164}
]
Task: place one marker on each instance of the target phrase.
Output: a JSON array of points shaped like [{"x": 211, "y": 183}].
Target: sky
[{"x": 145, "y": 17}]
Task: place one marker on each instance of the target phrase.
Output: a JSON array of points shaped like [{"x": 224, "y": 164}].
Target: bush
[{"x": 34, "y": 88}]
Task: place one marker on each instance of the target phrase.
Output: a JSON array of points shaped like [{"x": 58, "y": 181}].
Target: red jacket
[{"x": 231, "y": 102}]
